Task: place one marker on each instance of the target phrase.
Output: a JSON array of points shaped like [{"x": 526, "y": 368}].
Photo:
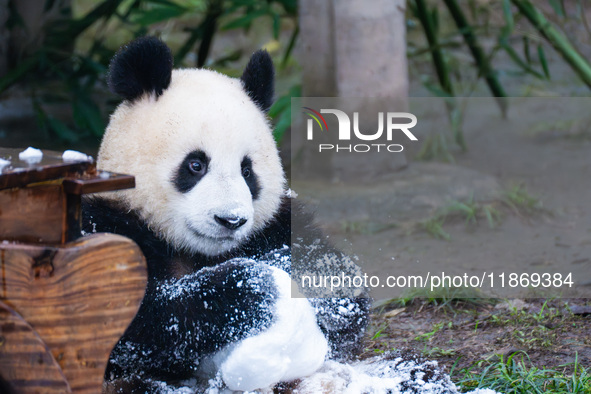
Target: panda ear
[
  {"x": 142, "y": 66},
  {"x": 258, "y": 79}
]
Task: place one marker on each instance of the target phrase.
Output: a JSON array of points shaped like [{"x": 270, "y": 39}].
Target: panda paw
[{"x": 292, "y": 347}]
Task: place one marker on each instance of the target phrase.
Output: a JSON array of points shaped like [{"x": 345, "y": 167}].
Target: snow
[
  {"x": 73, "y": 155},
  {"x": 391, "y": 374},
  {"x": 381, "y": 375},
  {"x": 31, "y": 155},
  {"x": 4, "y": 163},
  {"x": 289, "y": 193},
  {"x": 291, "y": 348}
]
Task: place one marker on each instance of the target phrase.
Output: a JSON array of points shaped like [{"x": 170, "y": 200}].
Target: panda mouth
[{"x": 219, "y": 238}]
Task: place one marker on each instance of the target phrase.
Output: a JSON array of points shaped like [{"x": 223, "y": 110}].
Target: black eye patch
[
  {"x": 191, "y": 171},
  {"x": 250, "y": 177}
]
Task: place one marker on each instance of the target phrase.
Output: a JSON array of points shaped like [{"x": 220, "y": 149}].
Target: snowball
[
  {"x": 31, "y": 155},
  {"x": 293, "y": 347},
  {"x": 4, "y": 163},
  {"x": 72, "y": 155}
]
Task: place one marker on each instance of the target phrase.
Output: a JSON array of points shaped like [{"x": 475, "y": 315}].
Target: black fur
[
  {"x": 185, "y": 178},
  {"x": 142, "y": 66},
  {"x": 258, "y": 79},
  {"x": 250, "y": 177},
  {"x": 208, "y": 295}
]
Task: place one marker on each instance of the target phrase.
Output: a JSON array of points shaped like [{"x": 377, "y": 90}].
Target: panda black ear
[
  {"x": 142, "y": 66},
  {"x": 258, "y": 79}
]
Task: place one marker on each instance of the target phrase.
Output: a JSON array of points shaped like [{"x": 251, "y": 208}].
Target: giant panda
[{"x": 211, "y": 215}]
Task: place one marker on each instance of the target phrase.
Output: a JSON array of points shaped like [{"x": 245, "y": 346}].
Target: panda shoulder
[{"x": 101, "y": 215}]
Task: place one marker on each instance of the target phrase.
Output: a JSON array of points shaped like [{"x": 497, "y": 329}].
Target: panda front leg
[
  {"x": 293, "y": 346},
  {"x": 237, "y": 317},
  {"x": 183, "y": 321}
]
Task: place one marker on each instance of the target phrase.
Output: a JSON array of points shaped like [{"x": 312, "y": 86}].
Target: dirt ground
[
  {"x": 463, "y": 335},
  {"x": 543, "y": 149},
  {"x": 551, "y": 163}
]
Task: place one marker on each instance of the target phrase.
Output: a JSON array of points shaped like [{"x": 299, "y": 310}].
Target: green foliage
[
  {"x": 69, "y": 67},
  {"x": 280, "y": 112},
  {"x": 472, "y": 23},
  {"x": 521, "y": 201},
  {"x": 470, "y": 211}
]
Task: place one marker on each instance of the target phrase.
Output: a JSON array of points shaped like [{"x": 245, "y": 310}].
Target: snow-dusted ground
[{"x": 386, "y": 374}]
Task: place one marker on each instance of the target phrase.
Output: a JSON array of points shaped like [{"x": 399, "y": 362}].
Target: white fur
[{"x": 200, "y": 110}]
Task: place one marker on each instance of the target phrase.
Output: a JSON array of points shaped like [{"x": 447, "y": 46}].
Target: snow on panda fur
[{"x": 210, "y": 214}]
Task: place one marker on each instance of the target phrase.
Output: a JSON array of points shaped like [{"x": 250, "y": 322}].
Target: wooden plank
[
  {"x": 100, "y": 182},
  {"x": 20, "y": 173},
  {"x": 26, "y": 364},
  {"x": 80, "y": 298},
  {"x": 33, "y": 214}
]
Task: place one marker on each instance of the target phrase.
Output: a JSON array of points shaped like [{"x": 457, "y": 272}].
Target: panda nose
[{"x": 230, "y": 222}]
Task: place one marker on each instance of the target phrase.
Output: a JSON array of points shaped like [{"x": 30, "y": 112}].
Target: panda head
[{"x": 208, "y": 173}]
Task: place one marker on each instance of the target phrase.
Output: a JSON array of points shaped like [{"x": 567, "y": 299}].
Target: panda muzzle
[{"x": 230, "y": 222}]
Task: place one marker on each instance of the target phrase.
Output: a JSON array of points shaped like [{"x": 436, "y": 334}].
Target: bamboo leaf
[
  {"x": 558, "y": 40},
  {"x": 280, "y": 112},
  {"x": 517, "y": 60},
  {"x": 526, "y": 51},
  {"x": 558, "y": 7},
  {"x": 291, "y": 45},
  {"x": 14, "y": 75},
  {"x": 282, "y": 126},
  {"x": 61, "y": 130},
  {"x": 290, "y": 6},
  {"x": 87, "y": 115},
  {"x": 157, "y": 14},
  {"x": 244, "y": 21},
  {"x": 543, "y": 61},
  {"x": 436, "y": 90}
]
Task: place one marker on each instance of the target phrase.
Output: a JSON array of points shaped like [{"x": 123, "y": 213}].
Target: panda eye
[
  {"x": 197, "y": 167},
  {"x": 246, "y": 172}
]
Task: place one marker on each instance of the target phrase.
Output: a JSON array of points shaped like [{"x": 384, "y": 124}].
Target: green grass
[
  {"x": 531, "y": 330},
  {"x": 521, "y": 201},
  {"x": 435, "y": 147},
  {"x": 469, "y": 211},
  {"x": 428, "y": 335},
  {"x": 518, "y": 375},
  {"x": 434, "y": 227},
  {"x": 447, "y": 298},
  {"x": 365, "y": 227},
  {"x": 515, "y": 199}
]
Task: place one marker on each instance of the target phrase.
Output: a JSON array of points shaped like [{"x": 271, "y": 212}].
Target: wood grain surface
[
  {"x": 25, "y": 361},
  {"x": 34, "y": 215},
  {"x": 78, "y": 299}
]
